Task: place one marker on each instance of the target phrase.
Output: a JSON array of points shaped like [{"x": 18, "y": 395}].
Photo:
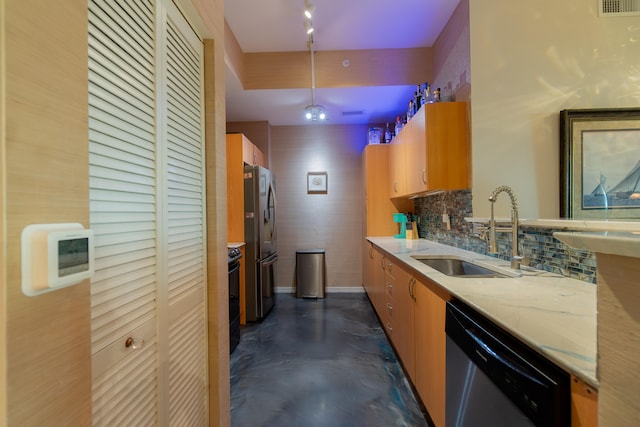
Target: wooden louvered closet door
[
  {"x": 183, "y": 182},
  {"x": 147, "y": 212}
]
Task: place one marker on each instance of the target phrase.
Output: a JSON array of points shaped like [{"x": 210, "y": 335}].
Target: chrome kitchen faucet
[{"x": 516, "y": 258}]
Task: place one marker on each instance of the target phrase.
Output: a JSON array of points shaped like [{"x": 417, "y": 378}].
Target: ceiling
[{"x": 278, "y": 26}]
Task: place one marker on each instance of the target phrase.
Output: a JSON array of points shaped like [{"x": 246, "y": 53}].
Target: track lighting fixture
[{"x": 312, "y": 112}]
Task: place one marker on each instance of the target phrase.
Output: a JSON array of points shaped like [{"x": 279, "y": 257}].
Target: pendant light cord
[{"x": 313, "y": 72}]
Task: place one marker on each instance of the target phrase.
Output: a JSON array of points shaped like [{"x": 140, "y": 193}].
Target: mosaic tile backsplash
[{"x": 538, "y": 245}]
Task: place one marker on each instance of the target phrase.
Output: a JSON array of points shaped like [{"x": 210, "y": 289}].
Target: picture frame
[
  {"x": 599, "y": 163},
  {"x": 316, "y": 183}
]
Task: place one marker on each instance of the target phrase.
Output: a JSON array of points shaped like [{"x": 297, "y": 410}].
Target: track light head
[
  {"x": 309, "y": 8},
  {"x": 308, "y": 26}
]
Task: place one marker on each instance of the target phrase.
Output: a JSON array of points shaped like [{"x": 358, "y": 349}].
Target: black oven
[{"x": 234, "y": 256}]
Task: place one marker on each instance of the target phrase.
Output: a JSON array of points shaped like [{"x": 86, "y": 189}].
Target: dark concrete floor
[{"x": 322, "y": 362}]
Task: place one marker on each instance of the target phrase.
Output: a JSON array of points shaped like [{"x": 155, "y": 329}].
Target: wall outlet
[{"x": 447, "y": 220}]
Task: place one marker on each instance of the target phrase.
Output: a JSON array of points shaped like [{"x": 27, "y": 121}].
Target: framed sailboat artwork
[{"x": 600, "y": 163}]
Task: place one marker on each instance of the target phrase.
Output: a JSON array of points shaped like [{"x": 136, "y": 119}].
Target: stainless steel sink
[{"x": 456, "y": 267}]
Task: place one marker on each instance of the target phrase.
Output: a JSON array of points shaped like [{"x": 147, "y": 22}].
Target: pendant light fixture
[{"x": 312, "y": 112}]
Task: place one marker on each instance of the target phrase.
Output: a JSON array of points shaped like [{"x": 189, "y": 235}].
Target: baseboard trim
[{"x": 328, "y": 290}]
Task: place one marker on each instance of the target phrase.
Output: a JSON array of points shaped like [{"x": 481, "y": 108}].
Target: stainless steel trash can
[{"x": 310, "y": 273}]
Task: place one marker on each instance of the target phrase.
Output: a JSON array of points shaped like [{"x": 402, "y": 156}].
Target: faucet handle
[
  {"x": 524, "y": 260},
  {"x": 516, "y": 260}
]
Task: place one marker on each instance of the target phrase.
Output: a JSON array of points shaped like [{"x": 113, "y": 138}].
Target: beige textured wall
[
  {"x": 452, "y": 61},
  {"x": 329, "y": 221},
  {"x": 452, "y": 64},
  {"x": 208, "y": 18},
  {"x": 46, "y": 351},
  {"x": 528, "y": 62},
  {"x": 618, "y": 340}
]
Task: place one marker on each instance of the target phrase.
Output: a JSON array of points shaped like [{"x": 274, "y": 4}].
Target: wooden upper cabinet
[
  {"x": 397, "y": 166},
  {"x": 378, "y": 207},
  {"x": 437, "y": 152},
  {"x": 416, "y": 147},
  {"x": 247, "y": 149},
  {"x": 240, "y": 151},
  {"x": 251, "y": 154},
  {"x": 258, "y": 157},
  {"x": 235, "y": 187}
]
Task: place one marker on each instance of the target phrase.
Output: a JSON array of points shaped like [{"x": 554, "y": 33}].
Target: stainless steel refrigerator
[{"x": 261, "y": 241}]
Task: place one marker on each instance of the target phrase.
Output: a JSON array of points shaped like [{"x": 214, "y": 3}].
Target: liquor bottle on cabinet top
[
  {"x": 425, "y": 94},
  {"x": 387, "y": 135},
  {"x": 428, "y": 97},
  {"x": 399, "y": 125},
  {"x": 436, "y": 95},
  {"x": 417, "y": 100}
]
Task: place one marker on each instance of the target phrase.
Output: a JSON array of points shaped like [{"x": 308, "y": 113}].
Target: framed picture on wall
[
  {"x": 600, "y": 163},
  {"x": 316, "y": 183}
]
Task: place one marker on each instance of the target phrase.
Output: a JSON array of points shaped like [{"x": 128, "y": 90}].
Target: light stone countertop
[
  {"x": 606, "y": 242},
  {"x": 554, "y": 315}
]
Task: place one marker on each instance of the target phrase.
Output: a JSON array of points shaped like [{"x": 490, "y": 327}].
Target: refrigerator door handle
[
  {"x": 271, "y": 206},
  {"x": 269, "y": 260}
]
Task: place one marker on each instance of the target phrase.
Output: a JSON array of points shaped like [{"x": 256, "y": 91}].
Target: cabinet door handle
[
  {"x": 424, "y": 176},
  {"x": 395, "y": 186}
]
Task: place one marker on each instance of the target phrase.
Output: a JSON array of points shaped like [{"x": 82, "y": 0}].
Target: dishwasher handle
[
  {"x": 539, "y": 388},
  {"x": 501, "y": 359}
]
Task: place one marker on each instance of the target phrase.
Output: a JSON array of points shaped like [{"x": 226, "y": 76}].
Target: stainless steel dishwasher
[{"x": 495, "y": 380}]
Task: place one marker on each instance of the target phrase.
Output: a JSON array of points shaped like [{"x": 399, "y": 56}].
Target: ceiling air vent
[
  {"x": 618, "y": 7},
  {"x": 352, "y": 113}
]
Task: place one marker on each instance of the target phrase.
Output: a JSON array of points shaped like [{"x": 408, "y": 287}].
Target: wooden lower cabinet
[
  {"x": 584, "y": 404},
  {"x": 377, "y": 281},
  {"x": 413, "y": 316},
  {"x": 367, "y": 267},
  {"x": 403, "y": 321},
  {"x": 399, "y": 304},
  {"x": 430, "y": 343}
]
